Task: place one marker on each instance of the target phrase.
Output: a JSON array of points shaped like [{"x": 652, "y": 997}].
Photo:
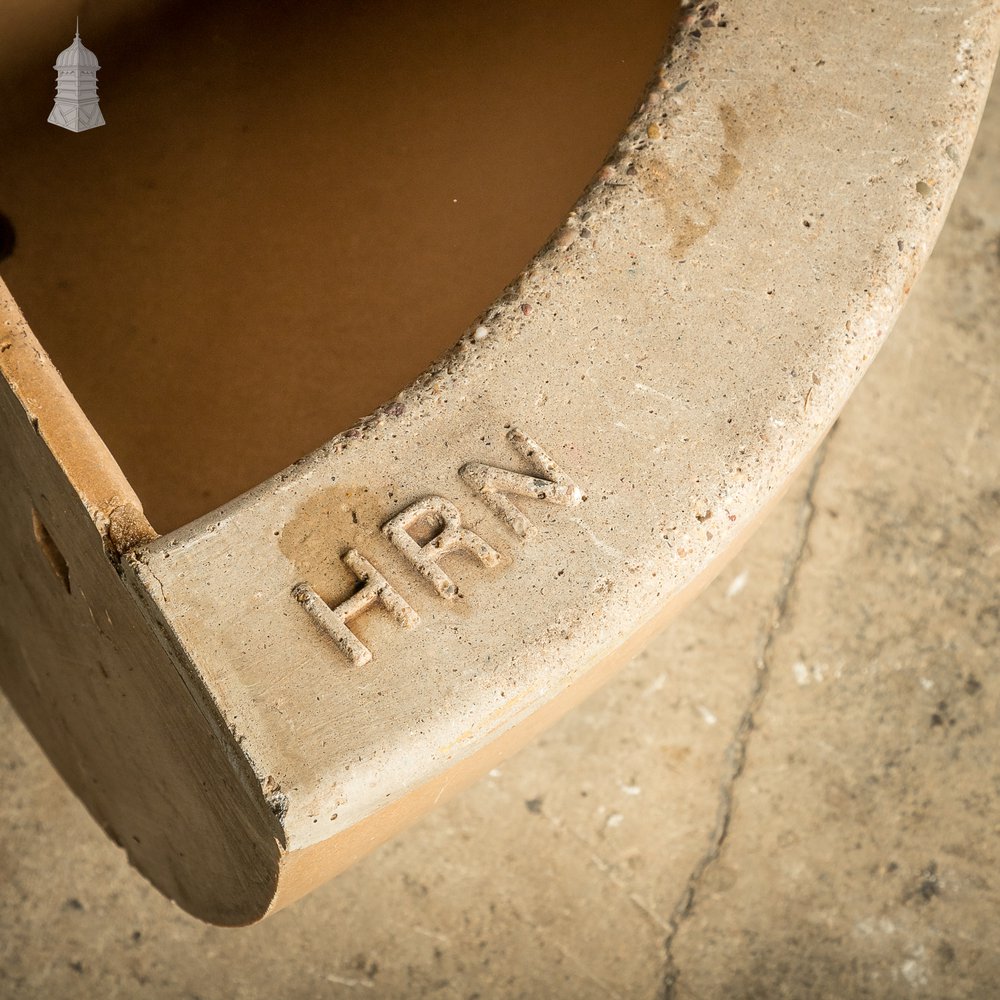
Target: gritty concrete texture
[
  {"x": 793, "y": 792},
  {"x": 678, "y": 349},
  {"x": 644, "y": 391}
]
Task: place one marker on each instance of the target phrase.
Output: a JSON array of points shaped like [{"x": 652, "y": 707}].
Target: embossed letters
[
  {"x": 334, "y": 619},
  {"x": 452, "y": 537},
  {"x": 494, "y": 487},
  {"x": 493, "y": 483}
]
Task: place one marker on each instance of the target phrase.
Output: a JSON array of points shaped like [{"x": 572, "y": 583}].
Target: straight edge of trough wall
[
  {"x": 120, "y": 715},
  {"x": 718, "y": 255},
  {"x": 60, "y": 422}
]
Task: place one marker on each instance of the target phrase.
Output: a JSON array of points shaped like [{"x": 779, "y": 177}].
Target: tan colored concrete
[
  {"x": 860, "y": 845},
  {"x": 645, "y": 390},
  {"x": 678, "y": 349},
  {"x": 91, "y": 678},
  {"x": 867, "y": 820}
]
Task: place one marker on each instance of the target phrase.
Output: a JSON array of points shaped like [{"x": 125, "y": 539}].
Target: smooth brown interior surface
[{"x": 293, "y": 208}]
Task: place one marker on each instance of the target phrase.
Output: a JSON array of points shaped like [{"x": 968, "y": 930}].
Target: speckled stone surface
[
  {"x": 678, "y": 350},
  {"x": 645, "y": 390},
  {"x": 794, "y": 792}
]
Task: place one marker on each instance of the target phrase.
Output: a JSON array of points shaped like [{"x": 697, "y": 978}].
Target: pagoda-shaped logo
[{"x": 76, "y": 106}]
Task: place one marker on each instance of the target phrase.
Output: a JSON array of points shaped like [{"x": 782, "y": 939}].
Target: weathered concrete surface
[
  {"x": 678, "y": 348},
  {"x": 853, "y": 850},
  {"x": 862, "y": 858}
]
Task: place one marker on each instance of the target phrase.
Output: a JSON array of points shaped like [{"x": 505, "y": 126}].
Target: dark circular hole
[{"x": 7, "y": 237}]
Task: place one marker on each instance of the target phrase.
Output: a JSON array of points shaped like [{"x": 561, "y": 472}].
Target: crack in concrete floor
[{"x": 736, "y": 752}]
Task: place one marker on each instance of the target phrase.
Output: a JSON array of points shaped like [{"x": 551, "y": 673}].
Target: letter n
[{"x": 549, "y": 483}]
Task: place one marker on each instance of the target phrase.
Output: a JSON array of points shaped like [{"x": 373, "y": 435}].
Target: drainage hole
[
  {"x": 56, "y": 560},
  {"x": 8, "y": 238}
]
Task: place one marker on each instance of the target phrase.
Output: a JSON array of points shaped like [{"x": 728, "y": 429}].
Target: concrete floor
[{"x": 794, "y": 792}]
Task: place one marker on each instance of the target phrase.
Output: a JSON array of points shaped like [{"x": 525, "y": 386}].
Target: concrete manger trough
[{"x": 252, "y": 700}]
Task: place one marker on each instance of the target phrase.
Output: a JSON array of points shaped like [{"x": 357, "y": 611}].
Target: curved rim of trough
[{"x": 678, "y": 348}]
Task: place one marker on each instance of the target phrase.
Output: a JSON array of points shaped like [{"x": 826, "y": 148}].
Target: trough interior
[{"x": 293, "y": 208}]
